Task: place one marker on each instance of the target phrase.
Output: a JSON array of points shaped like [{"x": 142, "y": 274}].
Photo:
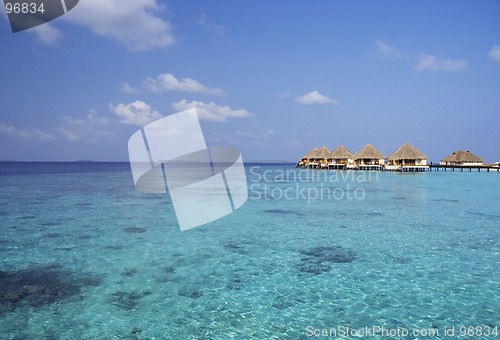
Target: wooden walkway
[
  {"x": 461, "y": 168},
  {"x": 429, "y": 167}
]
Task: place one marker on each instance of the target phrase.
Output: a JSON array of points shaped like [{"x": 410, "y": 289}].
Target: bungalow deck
[
  {"x": 470, "y": 168},
  {"x": 407, "y": 168}
]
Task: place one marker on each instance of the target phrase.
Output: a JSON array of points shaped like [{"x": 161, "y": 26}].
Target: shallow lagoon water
[{"x": 84, "y": 255}]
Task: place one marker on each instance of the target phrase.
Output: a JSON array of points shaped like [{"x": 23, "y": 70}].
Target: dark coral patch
[
  {"x": 83, "y": 204},
  {"x": 283, "y": 212},
  {"x": 235, "y": 283},
  {"x": 334, "y": 254},
  {"x": 166, "y": 274},
  {"x": 52, "y": 235},
  {"x": 487, "y": 216},
  {"x": 129, "y": 272},
  {"x": 399, "y": 198},
  {"x": 50, "y": 223},
  {"x": 38, "y": 286},
  {"x": 27, "y": 217},
  {"x": 190, "y": 292},
  {"x": 374, "y": 214},
  {"x": 318, "y": 260},
  {"x": 235, "y": 247},
  {"x": 134, "y": 230},
  {"x": 169, "y": 269},
  {"x": 401, "y": 260},
  {"x": 127, "y": 300},
  {"x": 114, "y": 247}
]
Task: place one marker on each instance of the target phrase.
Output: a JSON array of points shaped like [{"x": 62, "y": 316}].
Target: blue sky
[{"x": 272, "y": 78}]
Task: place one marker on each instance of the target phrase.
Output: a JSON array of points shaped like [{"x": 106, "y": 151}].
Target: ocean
[{"x": 84, "y": 255}]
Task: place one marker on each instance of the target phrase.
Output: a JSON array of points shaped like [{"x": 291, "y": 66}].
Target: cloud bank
[
  {"x": 314, "y": 97},
  {"x": 385, "y": 50},
  {"x": 211, "y": 111},
  {"x": 89, "y": 128},
  {"x": 133, "y": 23},
  {"x": 168, "y": 82},
  {"x": 215, "y": 29},
  {"x": 47, "y": 34},
  {"x": 431, "y": 63},
  {"x": 137, "y": 113},
  {"x": 25, "y": 134},
  {"x": 495, "y": 53}
]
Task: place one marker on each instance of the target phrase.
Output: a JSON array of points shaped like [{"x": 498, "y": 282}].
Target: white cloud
[
  {"x": 133, "y": 23},
  {"x": 137, "y": 113},
  {"x": 211, "y": 111},
  {"x": 495, "y": 53},
  {"x": 258, "y": 134},
  {"x": 26, "y": 134},
  {"x": 386, "y": 50},
  {"x": 315, "y": 97},
  {"x": 126, "y": 88},
  {"x": 89, "y": 128},
  {"x": 431, "y": 63},
  {"x": 47, "y": 34},
  {"x": 212, "y": 28},
  {"x": 426, "y": 62},
  {"x": 168, "y": 82},
  {"x": 256, "y": 137}
]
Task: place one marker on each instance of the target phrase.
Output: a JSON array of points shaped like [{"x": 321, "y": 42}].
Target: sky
[{"x": 271, "y": 78}]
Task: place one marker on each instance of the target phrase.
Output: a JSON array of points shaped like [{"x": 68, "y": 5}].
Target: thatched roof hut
[
  {"x": 322, "y": 153},
  {"x": 368, "y": 152},
  {"x": 407, "y": 158},
  {"x": 310, "y": 154},
  {"x": 318, "y": 159},
  {"x": 462, "y": 157},
  {"x": 341, "y": 153},
  {"x": 407, "y": 152}
]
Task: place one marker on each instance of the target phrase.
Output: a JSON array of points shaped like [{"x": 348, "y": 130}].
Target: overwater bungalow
[
  {"x": 462, "y": 158},
  {"x": 369, "y": 158},
  {"x": 319, "y": 158},
  {"x": 407, "y": 158},
  {"x": 304, "y": 161},
  {"x": 341, "y": 158}
]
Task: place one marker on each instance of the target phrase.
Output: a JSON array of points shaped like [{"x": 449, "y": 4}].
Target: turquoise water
[{"x": 84, "y": 255}]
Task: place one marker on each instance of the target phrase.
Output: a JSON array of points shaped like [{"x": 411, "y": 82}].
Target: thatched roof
[
  {"x": 462, "y": 156},
  {"x": 322, "y": 153},
  {"x": 407, "y": 151},
  {"x": 368, "y": 152},
  {"x": 341, "y": 153},
  {"x": 310, "y": 153}
]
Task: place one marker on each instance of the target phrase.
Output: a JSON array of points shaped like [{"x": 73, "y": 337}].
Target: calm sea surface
[{"x": 84, "y": 255}]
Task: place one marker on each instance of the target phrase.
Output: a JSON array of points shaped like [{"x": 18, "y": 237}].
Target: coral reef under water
[
  {"x": 318, "y": 260},
  {"x": 38, "y": 286},
  {"x": 134, "y": 230}
]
